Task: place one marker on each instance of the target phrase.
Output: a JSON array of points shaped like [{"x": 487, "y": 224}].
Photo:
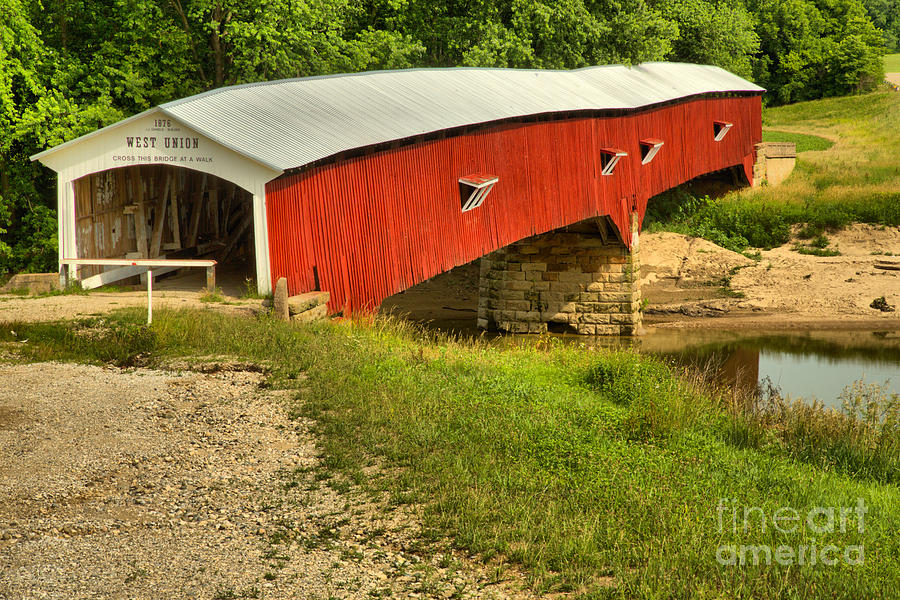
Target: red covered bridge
[{"x": 366, "y": 184}]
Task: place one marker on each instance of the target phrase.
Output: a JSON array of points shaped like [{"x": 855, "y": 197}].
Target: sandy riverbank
[{"x": 690, "y": 282}]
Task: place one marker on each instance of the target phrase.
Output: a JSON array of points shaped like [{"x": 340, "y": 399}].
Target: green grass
[
  {"x": 804, "y": 142},
  {"x": 122, "y": 342},
  {"x": 892, "y": 63},
  {"x": 18, "y": 292},
  {"x": 575, "y": 464},
  {"x": 251, "y": 291},
  {"x": 76, "y": 290},
  {"x": 855, "y": 180},
  {"x": 813, "y": 251},
  {"x": 214, "y": 295},
  {"x": 816, "y": 245},
  {"x": 725, "y": 284}
]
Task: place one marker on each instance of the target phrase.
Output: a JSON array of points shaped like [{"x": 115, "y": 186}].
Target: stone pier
[{"x": 580, "y": 279}]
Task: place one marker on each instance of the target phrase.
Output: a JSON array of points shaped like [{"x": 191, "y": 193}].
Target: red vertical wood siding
[{"x": 377, "y": 224}]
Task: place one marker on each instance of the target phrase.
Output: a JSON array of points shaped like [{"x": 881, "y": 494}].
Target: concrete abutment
[
  {"x": 580, "y": 279},
  {"x": 775, "y": 161}
]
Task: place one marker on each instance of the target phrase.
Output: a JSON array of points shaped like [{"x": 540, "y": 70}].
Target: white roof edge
[
  {"x": 222, "y": 142},
  {"x": 92, "y": 134},
  {"x": 172, "y": 103}
]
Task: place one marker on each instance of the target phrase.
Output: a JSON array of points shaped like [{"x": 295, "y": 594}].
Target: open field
[
  {"x": 858, "y": 177},
  {"x": 892, "y": 63},
  {"x": 803, "y": 141},
  {"x": 594, "y": 472}
]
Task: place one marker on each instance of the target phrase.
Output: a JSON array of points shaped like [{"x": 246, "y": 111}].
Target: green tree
[
  {"x": 815, "y": 48},
  {"x": 714, "y": 33},
  {"x": 21, "y": 89},
  {"x": 259, "y": 40},
  {"x": 530, "y": 33},
  {"x": 885, "y": 15}
]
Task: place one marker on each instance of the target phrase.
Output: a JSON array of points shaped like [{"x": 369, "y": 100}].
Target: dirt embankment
[{"x": 689, "y": 279}]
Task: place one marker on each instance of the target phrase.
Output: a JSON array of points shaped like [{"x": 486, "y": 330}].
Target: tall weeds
[{"x": 861, "y": 439}]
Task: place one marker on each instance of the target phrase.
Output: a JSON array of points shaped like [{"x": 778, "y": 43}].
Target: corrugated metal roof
[{"x": 291, "y": 123}]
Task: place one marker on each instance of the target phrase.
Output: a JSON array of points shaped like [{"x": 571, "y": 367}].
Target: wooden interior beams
[
  {"x": 159, "y": 219},
  {"x": 140, "y": 214},
  {"x": 196, "y": 211},
  {"x": 174, "y": 219},
  {"x": 158, "y": 211},
  {"x": 602, "y": 228}
]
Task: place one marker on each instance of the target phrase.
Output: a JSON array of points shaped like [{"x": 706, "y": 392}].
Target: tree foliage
[
  {"x": 715, "y": 33},
  {"x": 885, "y": 15},
  {"x": 68, "y": 67},
  {"x": 816, "y": 48}
]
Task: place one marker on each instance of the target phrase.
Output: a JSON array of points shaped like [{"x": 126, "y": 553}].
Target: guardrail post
[
  {"x": 67, "y": 267},
  {"x": 149, "y": 296}
]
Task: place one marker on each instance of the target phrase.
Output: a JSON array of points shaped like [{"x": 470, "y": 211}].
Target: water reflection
[
  {"x": 817, "y": 364},
  {"x": 803, "y": 364}
]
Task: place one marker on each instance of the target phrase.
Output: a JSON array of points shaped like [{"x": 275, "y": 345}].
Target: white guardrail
[{"x": 150, "y": 264}]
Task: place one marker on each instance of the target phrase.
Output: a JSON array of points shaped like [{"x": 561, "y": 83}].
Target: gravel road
[
  {"x": 180, "y": 484},
  {"x": 52, "y": 308}
]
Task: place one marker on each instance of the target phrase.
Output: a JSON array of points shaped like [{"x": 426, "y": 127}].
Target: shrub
[{"x": 738, "y": 222}]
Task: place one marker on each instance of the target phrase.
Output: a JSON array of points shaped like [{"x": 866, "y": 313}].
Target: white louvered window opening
[
  {"x": 609, "y": 158},
  {"x": 473, "y": 189},
  {"x": 721, "y": 129},
  {"x": 649, "y": 149}
]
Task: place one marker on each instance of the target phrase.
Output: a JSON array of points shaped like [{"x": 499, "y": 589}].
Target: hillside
[
  {"x": 848, "y": 170},
  {"x": 892, "y": 63},
  {"x": 861, "y": 168}
]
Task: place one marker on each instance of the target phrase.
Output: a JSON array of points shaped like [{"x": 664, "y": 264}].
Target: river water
[{"x": 802, "y": 364}]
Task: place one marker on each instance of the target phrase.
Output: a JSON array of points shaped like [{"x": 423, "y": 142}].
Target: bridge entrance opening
[{"x": 162, "y": 212}]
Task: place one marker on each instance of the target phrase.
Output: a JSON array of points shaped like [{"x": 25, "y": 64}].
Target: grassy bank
[
  {"x": 598, "y": 472},
  {"x": 855, "y": 179},
  {"x": 803, "y": 141}
]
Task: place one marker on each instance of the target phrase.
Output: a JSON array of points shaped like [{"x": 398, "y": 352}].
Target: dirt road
[
  {"x": 52, "y": 308},
  {"x": 159, "y": 484}
]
